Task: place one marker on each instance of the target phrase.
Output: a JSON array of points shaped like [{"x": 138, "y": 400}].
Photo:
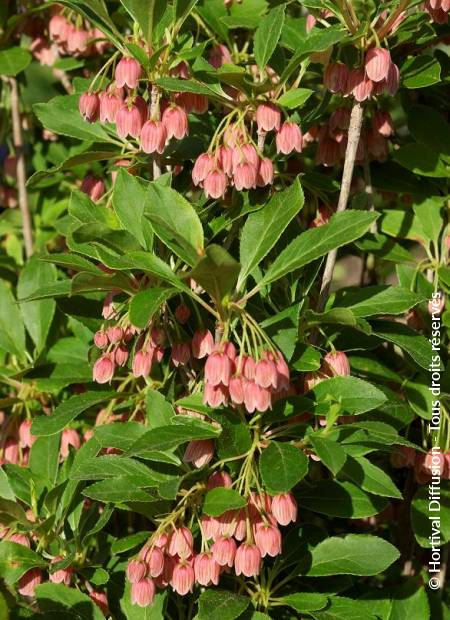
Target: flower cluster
[
  {"x": 19, "y": 439},
  {"x": 152, "y": 121},
  {"x": 425, "y": 464},
  {"x": 35, "y": 576},
  {"x": 234, "y": 158},
  {"x": 378, "y": 75},
  {"x": 254, "y": 382},
  {"x": 331, "y": 138},
  {"x": 235, "y": 541},
  {"x": 438, "y": 10}
]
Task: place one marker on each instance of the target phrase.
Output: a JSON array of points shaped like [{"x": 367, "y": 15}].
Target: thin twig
[
  {"x": 354, "y": 132},
  {"x": 154, "y": 103},
  {"x": 64, "y": 79},
  {"x": 21, "y": 168}
]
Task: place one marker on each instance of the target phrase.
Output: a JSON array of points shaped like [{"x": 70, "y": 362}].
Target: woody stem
[{"x": 354, "y": 133}]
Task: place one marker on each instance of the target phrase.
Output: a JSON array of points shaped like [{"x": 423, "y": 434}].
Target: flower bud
[
  {"x": 336, "y": 77},
  {"x": 153, "y": 137},
  {"x": 199, "y": 452},
  {"x": 103, "y": 370},
  {"x": 247, "y": 560},
  {"x": 284, "y": 508},
  {"x": 89, "y": 106},
  {"x": 268, "y": 117},
  {"x": 143, "y": 592},
  {"x": 289, "y": 138},
  {"x": 136, "y": 571},
  {"x": 128, "y": 71},
  {"x": 93, "y": 187},
  {"x": 183, "y": 578},
  {"x": 377, "y": 64},
  {"x": 175, "y": 120}
]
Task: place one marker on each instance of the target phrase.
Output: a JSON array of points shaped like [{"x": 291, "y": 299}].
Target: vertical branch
[
  {"x": 21, "y": 168},
  {"x": 354, "y": 132},
  {"x": 154, "y": 104}
]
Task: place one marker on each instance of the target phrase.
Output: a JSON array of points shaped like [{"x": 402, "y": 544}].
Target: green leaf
[
  {"x": 12, "y": 331},
  {"x": 145, "y": 304},
  {"x": 175, "y": 222},
  {"x": 410, "y": 600},
  {"x": 129, "y": 201},
  {"x": 223, "y": 604},
  {"x": 306, "y": 358},
  {"x": 282, "y": 466},
  {"x": 217, "y": 272},
  {"x": 422, "y": 513},
  {"x": 61, "y": 115},
  {"x": 372, "y": 300},
  {"x": 37, "y": 315},
  {"x": 118, "y": 490},
  {"x": 370, "y": 477},
  {"x": 343, "y": 228},
  {"x": 282, "y": 329},
  {"x": 421, "y": 160},
  {"x": 306, "y": 601},
  {"x": 428, "y": 212},
  {"x": 420, "y": 71},
  {"x": 330, "y": 452},
  {"x": 122, "y": 545},
  {"x": 355, "y": 395},
  {"x": 66, "y": 602},
  {"x": 267, "y": 35},
  {"x": 146, "y": 13},
  {"x": 355, "y": 554},
  {"x": 295, "y": 98},
  {"x": 44, "y": 458},
  {"x": 169, "y": 437},
  {"x": 16, "y": 559},
  {"x": 263, "y": 228},
  {"x": 342, "y": 608},
  {"x": 5, "y": 488},
  {"x": 13, "y": 61},
  {"x": 144, "y": 261},
  {"x": 110, "y": 466},
  {"x": 430, "y": 128},
  {"x": 68, "y": 411},
  {"x": 219, "y": 500},
  {"x": 340, "y": 499},
  {"x": 416, "y": 345},
  {"x": 159, "y": 411},
  {"x": 118, "y": 435}
]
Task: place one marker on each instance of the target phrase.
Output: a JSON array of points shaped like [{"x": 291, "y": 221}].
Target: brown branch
[
  {"x": 21, "y": 168},
  {"x": 354, "y": 132},
  {"x": 154, "y": 103}
]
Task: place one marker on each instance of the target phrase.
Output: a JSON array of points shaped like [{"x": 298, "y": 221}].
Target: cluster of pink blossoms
[
  {"x": 155, "y": 123},
  {"x": 425, "y": 465},
  {"x": 237, "y": 540},
  {"x": 65, "y": 38},
  {"x": 35, "y": 576},
  {"x": 331, "y": 138},
  {"x": 379, "y": 75},
  {"x": 238, "y": 162},
  {"x": 15, "y": 448},
  {"x": 242, "y": 380},
  {"x": 438, "y": 10}
]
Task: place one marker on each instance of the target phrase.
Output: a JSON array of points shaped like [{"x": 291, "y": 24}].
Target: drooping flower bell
[{"x": 128, "y": 71}]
